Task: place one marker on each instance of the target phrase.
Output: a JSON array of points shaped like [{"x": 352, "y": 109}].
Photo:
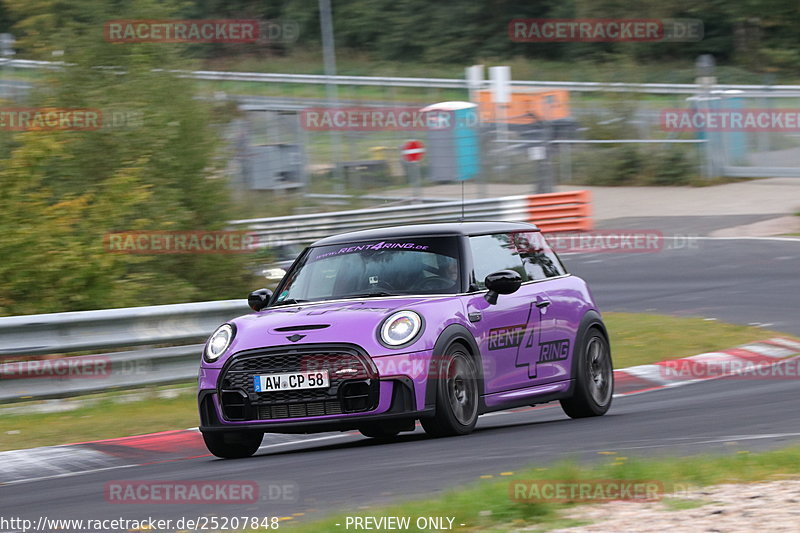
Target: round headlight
[
  {"x": 218, "y": 342},
  {"x": 400, "y": 328}
]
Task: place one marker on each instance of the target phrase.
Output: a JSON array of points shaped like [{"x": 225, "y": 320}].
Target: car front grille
[
  {"x": 297, "y": 410},
  {"x": 352, "y": 376}
]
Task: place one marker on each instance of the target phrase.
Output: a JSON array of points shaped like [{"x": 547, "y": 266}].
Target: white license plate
[{"x": 291, "y": 381}]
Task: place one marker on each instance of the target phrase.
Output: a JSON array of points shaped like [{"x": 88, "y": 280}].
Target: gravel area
[{"x": 766, "y": 506}]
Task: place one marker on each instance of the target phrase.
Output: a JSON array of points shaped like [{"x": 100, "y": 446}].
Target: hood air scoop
[{"x": 303, "y": 328}]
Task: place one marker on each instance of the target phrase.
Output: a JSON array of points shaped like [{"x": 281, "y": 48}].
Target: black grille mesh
[
  {"x": 239, "y": 375},
  {"x": 295, "y": 410}
]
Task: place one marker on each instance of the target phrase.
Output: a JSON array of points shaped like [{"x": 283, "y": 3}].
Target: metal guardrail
[
  {"x": 766, "y": 91},
  {"x": 555, "y": 211},
  {"x": 303, "y": 229},
  {"x": 458, "y": 83},
  {"x": 663, "y": 88},
  {"x": 320, "y": 79},
  {"x": 183, "y": 327},
  {"x": 162, "y": 344}
]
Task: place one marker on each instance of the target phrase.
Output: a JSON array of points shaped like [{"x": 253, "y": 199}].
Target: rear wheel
[
  {"x": 456, "y": 395},
  {"x": 594, "y": 379},
  {"x": 233, "y": 444}
]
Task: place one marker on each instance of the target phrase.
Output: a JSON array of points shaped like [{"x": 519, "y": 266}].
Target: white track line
[{"x": 68, "y": 474}]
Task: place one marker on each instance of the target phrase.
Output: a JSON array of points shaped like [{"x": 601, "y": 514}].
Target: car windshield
[{"x": 374, "y": 268}]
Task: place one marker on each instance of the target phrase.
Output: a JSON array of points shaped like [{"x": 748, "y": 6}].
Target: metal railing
[
  {"x": 562, "y": 211},
  {"x": 162, "y": 344},
  {"x": 706, "y": 167},
  {"x": 303, "y": 229},
  {"x": 168, "y": 337},
  {"x": 451, "y": 83}
]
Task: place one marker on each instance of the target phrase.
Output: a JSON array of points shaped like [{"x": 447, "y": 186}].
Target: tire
[
  {"x": 457, "y": 395},
  {"x": 233, "y": 444},
  {"x": 594, "y": 379}
]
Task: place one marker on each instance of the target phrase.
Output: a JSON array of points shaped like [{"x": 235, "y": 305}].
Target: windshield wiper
[
  {"x": 372, "y": 294},
  {"x": 290, "y": 301}
]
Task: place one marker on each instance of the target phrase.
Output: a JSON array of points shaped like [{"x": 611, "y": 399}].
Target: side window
[
  {"x": 491, "y": 253},
  {"x": 538, "y": 258}
]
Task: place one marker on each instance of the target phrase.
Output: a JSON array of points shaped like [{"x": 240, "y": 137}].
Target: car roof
[{"x": 427, "y": 230}]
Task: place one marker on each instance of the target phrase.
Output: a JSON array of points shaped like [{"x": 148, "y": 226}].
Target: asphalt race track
[{"x": 743, "y": 281}]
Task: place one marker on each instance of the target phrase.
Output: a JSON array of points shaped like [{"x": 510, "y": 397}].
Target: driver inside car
[{"x": 444, "y": 277}]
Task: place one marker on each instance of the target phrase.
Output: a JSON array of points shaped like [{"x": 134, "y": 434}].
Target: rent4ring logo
[
  {"x": 554, "y": 351},
  {"x": 506, "y": 337},
  {"x": 604, "y": 30}
]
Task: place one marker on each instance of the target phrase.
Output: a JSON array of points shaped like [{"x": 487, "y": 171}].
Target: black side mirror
[
  {"x": 502, "y": 282},
  {"x": 258, "y": 300}
]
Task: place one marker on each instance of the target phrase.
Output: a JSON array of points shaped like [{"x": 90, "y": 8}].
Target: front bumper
[
  {"x": 394, "y": 388},
  {"x": 401, "y": 407}
]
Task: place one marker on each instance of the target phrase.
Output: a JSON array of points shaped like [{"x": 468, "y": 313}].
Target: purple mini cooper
[{"x": 373, "y": 330}]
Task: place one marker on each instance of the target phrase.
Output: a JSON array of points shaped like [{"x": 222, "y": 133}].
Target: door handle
[{"x": 542, "y": 303}]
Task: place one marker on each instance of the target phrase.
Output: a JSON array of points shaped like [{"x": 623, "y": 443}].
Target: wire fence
[{"x": 273, "y": 146}]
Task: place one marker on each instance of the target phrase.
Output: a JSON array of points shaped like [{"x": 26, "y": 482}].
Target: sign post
[
  {"x": 501, "y": 96},
  {"x": 7, "y": 42},
  {"x": 412, "y": 152}
]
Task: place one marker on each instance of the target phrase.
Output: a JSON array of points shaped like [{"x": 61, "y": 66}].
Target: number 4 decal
[{"x": 527, "y": 352}]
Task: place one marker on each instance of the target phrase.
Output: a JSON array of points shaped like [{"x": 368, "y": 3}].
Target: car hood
[{"x": 353, "y": 322}]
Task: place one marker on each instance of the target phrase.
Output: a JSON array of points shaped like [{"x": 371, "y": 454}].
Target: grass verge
[
  {"x": 486, "y": 506},
  {"x": 635, "y": 338},
  {"x": 640, "y": 338},
  {"x": 103, "y": 416}
]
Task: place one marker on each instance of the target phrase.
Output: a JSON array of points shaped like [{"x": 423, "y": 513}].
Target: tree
[{"x": 65, "y": 190}]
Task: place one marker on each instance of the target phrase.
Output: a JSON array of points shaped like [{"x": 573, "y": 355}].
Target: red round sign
[{"x": 413, "y": 151}]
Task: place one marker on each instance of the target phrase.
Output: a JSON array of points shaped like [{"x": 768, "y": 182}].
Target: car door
[
  {"x": 548, "y": 282},
  {"x": 507, "y": 332}
]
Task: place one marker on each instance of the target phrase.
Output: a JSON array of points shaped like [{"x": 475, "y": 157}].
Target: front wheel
[
  {"x": 594, "y": 379},
  {"x": 233, "y": 444},
  {"x": 456, "y": 395}
]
